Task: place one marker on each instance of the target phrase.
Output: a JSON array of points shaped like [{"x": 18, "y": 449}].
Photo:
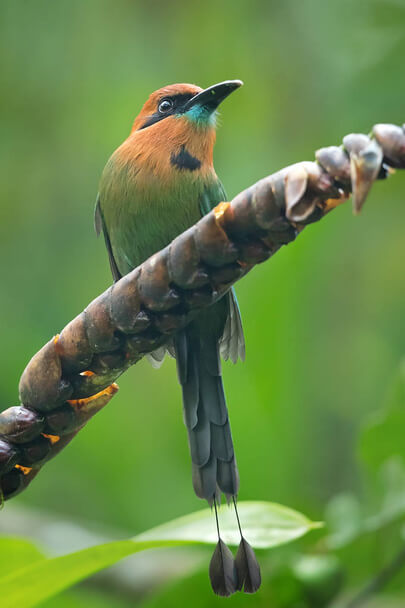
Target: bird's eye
[{"x": 165, "y": 106}]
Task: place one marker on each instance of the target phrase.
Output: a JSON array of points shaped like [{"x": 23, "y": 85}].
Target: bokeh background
[{"x": 324, "y": 319}]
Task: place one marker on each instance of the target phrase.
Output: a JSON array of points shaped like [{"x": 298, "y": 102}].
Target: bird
[{"x": 160, "y": 181}]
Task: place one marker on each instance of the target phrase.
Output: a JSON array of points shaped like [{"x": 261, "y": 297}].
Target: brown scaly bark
[{"x": 72, "y": 377}]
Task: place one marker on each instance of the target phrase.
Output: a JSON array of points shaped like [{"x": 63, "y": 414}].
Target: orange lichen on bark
[
  {"x": 24, "y": 470},
  {"x": 332, "y": 203},
  {"x": 52, "y": 438},
  {"x": 107, "y": 392},
  {"x": 220, "y": 209}
]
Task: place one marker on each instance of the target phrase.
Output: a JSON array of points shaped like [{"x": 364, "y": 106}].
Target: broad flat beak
[{"x": 211, "y": 98}]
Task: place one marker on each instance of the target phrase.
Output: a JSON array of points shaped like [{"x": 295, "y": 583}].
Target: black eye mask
[{"x": 178, "y": 104}]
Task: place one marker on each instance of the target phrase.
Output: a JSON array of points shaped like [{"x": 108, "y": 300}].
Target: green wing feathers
[{"x": 99, "y": 226}]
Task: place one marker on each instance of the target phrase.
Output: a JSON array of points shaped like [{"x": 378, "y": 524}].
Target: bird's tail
[{"x": 214, "y": 467}]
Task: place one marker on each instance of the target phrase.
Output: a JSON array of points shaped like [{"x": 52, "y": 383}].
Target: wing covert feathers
[{"x": 99, "y": 226}]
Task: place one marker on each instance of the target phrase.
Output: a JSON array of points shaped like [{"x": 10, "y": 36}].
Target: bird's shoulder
[{"x": 213, "y": 194}]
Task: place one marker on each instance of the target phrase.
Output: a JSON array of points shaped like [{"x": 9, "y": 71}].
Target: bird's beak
[{"x": 211, "y": 98}]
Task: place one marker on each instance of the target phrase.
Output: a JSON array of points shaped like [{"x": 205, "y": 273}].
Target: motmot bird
[{"x": 158, "y": 183}]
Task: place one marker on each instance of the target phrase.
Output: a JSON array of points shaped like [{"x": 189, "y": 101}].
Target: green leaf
[
  {"x": 15, "y": 553},
  {"x": 265, "y": 525}
]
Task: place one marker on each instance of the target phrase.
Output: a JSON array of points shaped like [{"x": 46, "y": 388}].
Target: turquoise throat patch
[{"x": 201, "y": 116}]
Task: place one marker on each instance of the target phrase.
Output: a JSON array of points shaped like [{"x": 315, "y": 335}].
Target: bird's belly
[{"x": 146, "y": 229}]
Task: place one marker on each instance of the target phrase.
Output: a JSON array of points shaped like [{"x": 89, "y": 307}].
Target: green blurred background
[{"x": 324, "y": 319}]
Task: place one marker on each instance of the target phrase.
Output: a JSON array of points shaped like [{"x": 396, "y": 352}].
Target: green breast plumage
[{"x": 140, "y": 215}]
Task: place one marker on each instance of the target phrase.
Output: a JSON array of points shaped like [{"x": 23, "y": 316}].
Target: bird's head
[
  {"x": 174, "y": 134},
  {"x": 188, "y": 104}
]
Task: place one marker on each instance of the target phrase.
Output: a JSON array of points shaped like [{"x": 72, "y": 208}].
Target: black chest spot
[{"x": 184, "y": 160}]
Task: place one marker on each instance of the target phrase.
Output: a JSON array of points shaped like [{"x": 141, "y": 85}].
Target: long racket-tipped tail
[{"x": 214, "y": 468}]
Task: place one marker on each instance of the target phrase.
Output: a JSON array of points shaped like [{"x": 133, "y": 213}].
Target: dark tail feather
[
  {"x": 222, "y": 571},
  {"x": 214, "y": 467},
  {"x": 247, "y": 568}
]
